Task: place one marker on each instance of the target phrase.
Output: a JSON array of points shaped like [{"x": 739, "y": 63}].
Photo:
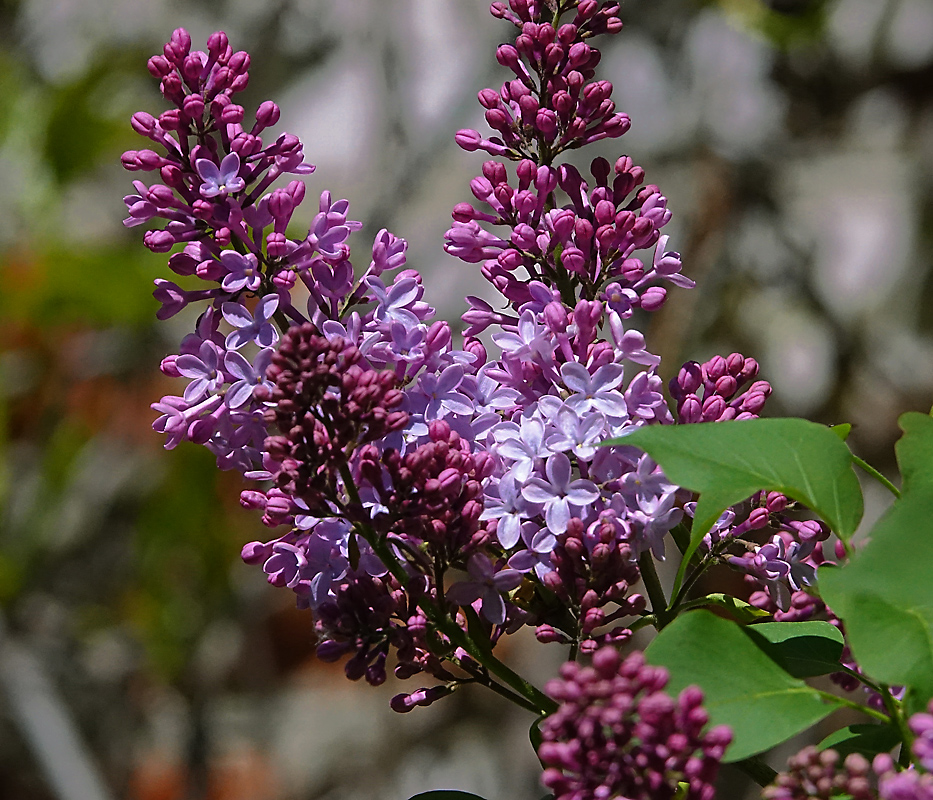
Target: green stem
[
  {"x": 837, "y": 700},
  {"x": 893, "y": 708},
  {"x": 680, "y": 533},
  {"x": 757, "y": 770},
  {"x": 692, "y": 578},
  {"x": 499, "y": 689},
  {"x": 649, "y": 576},
  {"x": 864, "y": 465}
]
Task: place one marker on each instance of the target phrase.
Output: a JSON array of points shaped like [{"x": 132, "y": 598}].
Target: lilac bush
[{"x": 429, "y": 493}]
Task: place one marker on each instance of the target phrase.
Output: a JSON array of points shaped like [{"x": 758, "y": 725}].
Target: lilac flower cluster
[
  {"x": 816, "y": 775},
  {"x": 417, "y": 483},
  {"x": 617, "y": 734}
]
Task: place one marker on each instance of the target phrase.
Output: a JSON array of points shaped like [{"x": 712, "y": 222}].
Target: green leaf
[
  {"x": 803, "y": 649},
  {"x": 842, "y": 431},
  {"x": 884, "y": 594},
  {"x": 446, "y": 794},
  {"x": 729, "y": 461},
  {"x": 915, "y": 451},
  {"x": 866, "y": 739},
  {"x": 885, "y": 597},
  {"x": 743, "y": 688}
]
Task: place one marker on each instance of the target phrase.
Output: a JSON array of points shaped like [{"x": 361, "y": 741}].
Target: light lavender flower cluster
[
  {"x": 430, "y": 499},
  {"x": 555, "y": 513}
]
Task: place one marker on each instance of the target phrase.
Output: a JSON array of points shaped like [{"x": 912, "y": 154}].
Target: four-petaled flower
[
  {"x": 254, "y": 327},
  {"x": 558, "y": 493},
  {"x": 487, "y": 586},
  {"x": 222, "y": 180}
]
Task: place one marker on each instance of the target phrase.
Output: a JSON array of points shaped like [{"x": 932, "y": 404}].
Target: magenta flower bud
[
  {"x": 653, "y": 298},
  {"x": 715, "y": 368},
  {"x": 217, "y": 44},
  {"x": 573, "y": 260},
  {"x": 689, "y": 379},
  {"x": 735, "y": 363},
  {"x": 130, "y": 161},
  {"x": 476, "y": 348},
  {"x": 546, "y": 122},
  {"x": 579, "y": 55},
  {"x": 159, "y": 66},
  {"x": 553, "y": 54},
  {"x": 255, "y": 552},
  {"x": 757, "y": 519},
  {"x": 232, "y": 114},
  {"x": 171, "y": 120},
  {"x": 331, "y": 651},
  {"x": 489, "y": 98},
  {"x": 750, "y": 369},
  {"x": 726, "y": 386},
  {"x": 255, "y": 501},
  {"x": 222, "y": 78},
  {"x": 498, "y": 119},
  {"x": 509, "y": 57},
  {"x": 753, "y": 402},
  {"x": 159, "y": 241},
  {"x": 143, "y": 123},
  {"x": 267, "y": 114},
  {"x": 713, "y": 408},
  {"x": 586, "y": 9},
  {"x": 191, "y": 69},
  {"x": 172, "y": 88},
  {"x": 555, "y": 317},
  {"x": 438, "y": 336},
  {"x": 548, "y": 635},
  {"x": 167, "y": 367},
  {"x": 194, "y": 106},
  {"x": 239, "y": 62},
  {"x": 240, "y": 82},
  {"x": 468, "y": 140},
  {"x": 171, "y": 174}
]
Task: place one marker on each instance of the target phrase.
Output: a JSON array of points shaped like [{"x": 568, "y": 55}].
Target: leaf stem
[
  {"x": 836, "y": 699},
  {"x": 757, "y": 770},
  {"x": 649, "y": 576},
  {"x": 865, "y": 466},
  {"x": 894, "y": 709}
]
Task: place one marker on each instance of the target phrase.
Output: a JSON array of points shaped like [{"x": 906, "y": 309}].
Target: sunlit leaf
[{"x": 742, "y": 687}]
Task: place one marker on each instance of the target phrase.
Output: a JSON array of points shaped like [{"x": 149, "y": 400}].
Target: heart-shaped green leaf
[
  {"x": 742, "y": 687},
  {"x": 726, "y": 462}
]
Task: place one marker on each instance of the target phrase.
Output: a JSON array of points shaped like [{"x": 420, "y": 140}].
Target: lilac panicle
[
  {"x": 617, "y": 734},
  {"x": 815, "y": 775}
]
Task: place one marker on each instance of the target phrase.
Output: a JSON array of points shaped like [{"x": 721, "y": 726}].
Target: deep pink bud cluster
[
  {"x": 818, "y": 775},
  {"x": 434, "y": 493},
  {"x": 617, "y": 734},
  {"x": 553, "y": 104},
  {"x": 370, "y": 616},
  {"x": 713, "y": 391},
  {"x": 593, "y": 568},
  {"x": 324, "y": 404}
]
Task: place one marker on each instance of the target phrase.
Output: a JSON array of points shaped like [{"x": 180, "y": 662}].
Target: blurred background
[{"x": 139, "y": 659}]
